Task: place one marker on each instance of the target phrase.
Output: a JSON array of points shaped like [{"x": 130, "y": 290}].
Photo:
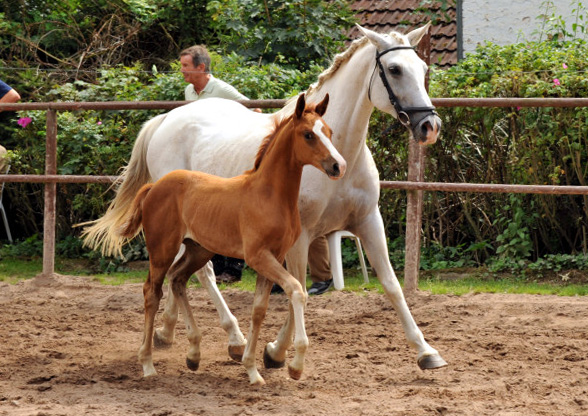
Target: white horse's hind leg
[
  {"x": 371, "y": 233},
  {"x": 229, "y": 323}
]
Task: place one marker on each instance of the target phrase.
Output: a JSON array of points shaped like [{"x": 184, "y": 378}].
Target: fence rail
[{"x": 414, "y": 186}]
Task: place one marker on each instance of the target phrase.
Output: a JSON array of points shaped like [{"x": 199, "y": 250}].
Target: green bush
[
  {"x": 480, "y": 145},
  {"x": 100, "y": 142},
  {"x": 512, "y": 146}
]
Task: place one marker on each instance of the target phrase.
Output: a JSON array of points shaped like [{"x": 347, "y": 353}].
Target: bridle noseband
[{"x": 404, "y": 114}]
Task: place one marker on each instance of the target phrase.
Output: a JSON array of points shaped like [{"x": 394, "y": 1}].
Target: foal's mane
[{"x": 279, "y": 125}]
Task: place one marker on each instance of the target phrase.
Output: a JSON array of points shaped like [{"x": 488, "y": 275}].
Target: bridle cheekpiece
[{"x": 404, "y": 114}]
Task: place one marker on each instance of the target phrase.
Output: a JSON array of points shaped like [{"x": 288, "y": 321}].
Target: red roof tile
[{"x": 404, "y": 15}]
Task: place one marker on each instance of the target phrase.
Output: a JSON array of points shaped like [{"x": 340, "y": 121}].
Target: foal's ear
[
  {"x": 300, "y": 104},
  {"x": 321, "y": 109}
]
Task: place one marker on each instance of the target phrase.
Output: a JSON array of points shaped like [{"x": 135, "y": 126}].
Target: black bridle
[{"x": 405, "y": 114}]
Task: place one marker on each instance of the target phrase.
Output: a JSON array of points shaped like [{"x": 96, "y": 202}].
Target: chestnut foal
[{"x": 253, "y": 216}]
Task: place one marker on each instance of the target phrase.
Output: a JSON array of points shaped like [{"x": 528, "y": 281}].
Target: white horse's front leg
[
  {"x": 229, "y": 323},
  {"x": 372, "y": 235}
]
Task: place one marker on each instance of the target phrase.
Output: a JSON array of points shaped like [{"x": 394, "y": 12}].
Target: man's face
[{"x": 191, "y": 73}]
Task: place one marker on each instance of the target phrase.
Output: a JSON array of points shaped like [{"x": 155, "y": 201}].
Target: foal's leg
[
  {"x": 152, "y": 293},
  {"x": 260, "y": 304},
  {"x": 373, "y": 239},
  {"x": 164, "y": 336},
  {"x": 266, "y": 265},
  {"x": 194, "y": 258},
  {"x": 296, "y": 260}
]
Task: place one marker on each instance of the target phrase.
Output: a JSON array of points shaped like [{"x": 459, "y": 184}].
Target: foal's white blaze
[{"x": 318, "y": 130}]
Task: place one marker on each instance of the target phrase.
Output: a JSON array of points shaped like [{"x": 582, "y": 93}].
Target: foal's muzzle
[{"x": 335, "y": 169}]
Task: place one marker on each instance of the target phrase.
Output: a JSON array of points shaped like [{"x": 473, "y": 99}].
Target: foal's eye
[
  {"x": 308, "y": 135},
  {"x": 395, "y": 70}
]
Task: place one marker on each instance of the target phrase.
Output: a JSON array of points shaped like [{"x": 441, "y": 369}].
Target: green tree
[
  {"x": 80, "y": 35},
  {"x": 295, "y": 32}
]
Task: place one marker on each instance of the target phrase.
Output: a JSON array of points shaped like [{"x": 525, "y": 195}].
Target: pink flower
[
  {"x": 99, "y": 123},
  {"x": 556, "y": 82},
  {"x": 564, "y": 66},
  {"x": 24, "y": 121}
]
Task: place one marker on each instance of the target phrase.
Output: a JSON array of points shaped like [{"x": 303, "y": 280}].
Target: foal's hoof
[
  {"x": 159, "y": 342},
  {"x": 430, "y": 362},
  {"x": 236, "y": 352},
  {"x": 269, "y": 362},
  {"x": 294, "y": 374},
  {"x": 192, "y": 365}
]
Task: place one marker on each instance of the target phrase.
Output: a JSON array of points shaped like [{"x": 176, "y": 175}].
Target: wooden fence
[{"x": 414, "y": 186}]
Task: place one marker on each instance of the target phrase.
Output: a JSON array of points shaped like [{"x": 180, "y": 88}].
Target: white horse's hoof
[{"x": 430, "y": 362}]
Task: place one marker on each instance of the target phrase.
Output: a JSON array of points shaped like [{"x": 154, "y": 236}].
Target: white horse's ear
[
  {"x": 378, "y": 40},
  {"x": 416, "y": 35}
]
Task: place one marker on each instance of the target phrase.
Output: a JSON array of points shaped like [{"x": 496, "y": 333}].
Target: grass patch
[
  {"x": 504, "y": 285},
  {"x": 13, "y": 270}
]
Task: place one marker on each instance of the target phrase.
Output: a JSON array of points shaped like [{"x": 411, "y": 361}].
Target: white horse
[{"x": 221, "y": 137}]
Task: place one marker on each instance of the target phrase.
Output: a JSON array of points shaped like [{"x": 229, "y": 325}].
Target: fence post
[
  {"x": 50, "y": 195},
  {"x": 414, "y": 209},
  {"x": 414, "y": 202}
]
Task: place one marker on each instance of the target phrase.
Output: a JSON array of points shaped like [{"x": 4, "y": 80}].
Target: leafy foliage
[
  {"x": 513, "y": 146},
  {"x": 76, "y": 35},
  {"x": 103, "y": 49},
  {"x": 297, "y": 32},
  {"x": 100, "y": 142}
]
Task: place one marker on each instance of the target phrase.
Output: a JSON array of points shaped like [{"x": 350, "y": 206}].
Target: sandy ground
[{"x": 68, "y": 347}]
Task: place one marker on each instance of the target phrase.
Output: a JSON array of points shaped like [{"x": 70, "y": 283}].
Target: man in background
[{"x": 7, "y": 95}]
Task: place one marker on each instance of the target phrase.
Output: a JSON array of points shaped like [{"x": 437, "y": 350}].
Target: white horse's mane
[
  {"x": 339, "y": 60},
  {"x": 328, "y": 73}
]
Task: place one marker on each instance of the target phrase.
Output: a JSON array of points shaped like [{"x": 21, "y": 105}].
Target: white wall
[{"x": 508, "y": 21}]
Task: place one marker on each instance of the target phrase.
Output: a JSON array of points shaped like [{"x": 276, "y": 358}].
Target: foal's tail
[
  {"x": 104, "y": 233},
  {"x": 133, "y": 225}
]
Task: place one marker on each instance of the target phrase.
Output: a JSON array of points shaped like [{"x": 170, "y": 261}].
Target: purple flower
[
  {"x": 556, "y": 82},
  {"x": 24, "y": 121}
]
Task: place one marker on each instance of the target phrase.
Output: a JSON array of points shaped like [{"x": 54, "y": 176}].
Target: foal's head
[{"x": 312, "y": 139}]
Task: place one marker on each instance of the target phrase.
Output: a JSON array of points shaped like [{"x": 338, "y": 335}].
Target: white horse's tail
[{"x": 104, "y": 233}]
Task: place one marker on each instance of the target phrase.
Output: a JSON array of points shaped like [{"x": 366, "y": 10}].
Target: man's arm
[{"x": 10, "y": 97}]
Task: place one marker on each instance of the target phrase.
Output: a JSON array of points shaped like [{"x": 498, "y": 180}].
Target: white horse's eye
[{"x": 395, "y": 70}]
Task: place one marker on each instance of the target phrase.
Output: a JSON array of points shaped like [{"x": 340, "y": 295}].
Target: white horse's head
[{"x": 397, "y": 85}]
